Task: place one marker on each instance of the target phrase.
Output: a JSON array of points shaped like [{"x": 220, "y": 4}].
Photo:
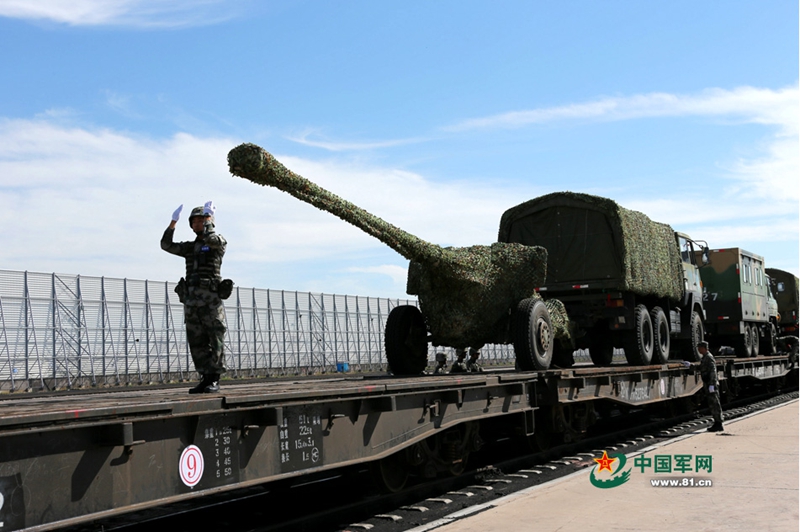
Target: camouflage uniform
[
  {"x": 708, "y": 372},
  {"x": 203, "y": 312},
  {"x": 459, "y": 366},
  {"x": 472, "y": 363},
  {"x": 441, "y": 364}
]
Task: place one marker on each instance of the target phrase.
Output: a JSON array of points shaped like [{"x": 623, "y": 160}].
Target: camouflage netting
[
  {"x": 558, "y": 318},
  {"x": 464, "y": 293},
  {"x": 645, "y": 253}
]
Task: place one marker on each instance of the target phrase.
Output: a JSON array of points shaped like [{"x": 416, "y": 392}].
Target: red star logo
[{"x": 605, "y": 462}]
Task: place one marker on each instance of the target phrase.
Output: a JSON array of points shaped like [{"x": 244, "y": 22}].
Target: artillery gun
[{"x": 468, "y": 297}]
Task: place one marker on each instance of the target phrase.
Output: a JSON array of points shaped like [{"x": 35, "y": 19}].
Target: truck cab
[{"x": 692, "y": 252}]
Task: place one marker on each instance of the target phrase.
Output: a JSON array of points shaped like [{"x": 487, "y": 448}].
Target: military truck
[
  {"x": 736, "y": 299},
  {"x": 785, "y": 289},
  {"x": 625, "y": 280}
]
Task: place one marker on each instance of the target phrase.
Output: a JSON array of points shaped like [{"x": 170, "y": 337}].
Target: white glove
[
  {"x": 687, "y": 363},
  {"x": 711, "y": 388},
  {"x": 177, "y": 214},
  {"x": 209, "y": 208}
]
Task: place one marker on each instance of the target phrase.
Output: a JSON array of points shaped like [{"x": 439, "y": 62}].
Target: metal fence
[{"x": 67, "y": 331}]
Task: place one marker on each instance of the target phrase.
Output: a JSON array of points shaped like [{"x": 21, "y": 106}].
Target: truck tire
[
  {"x": 601, "y": 348},
  {"x": 769, "y": 344},
  {"x": 661, "y": 338},
  {"x": 755, "y": 339},
  {"x": 406, "y": 341},
  {"x": 744, "y": 343},
  {"x": 638, "y": 343},
  {"x": 533, "y": 335},
  {"x": 697, "y": 333}
]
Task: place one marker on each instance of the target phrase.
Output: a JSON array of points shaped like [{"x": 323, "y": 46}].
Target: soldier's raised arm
[
  {"x": 210, "y": 236},
  {"x": 166, "y": 239}
]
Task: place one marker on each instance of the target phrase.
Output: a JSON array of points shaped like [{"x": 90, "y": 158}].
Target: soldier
[
  {"x": 459, "y": 366},
  {"x": 441, "y": 363},
  {"x": 202, "y": 307},
  {"x": 708, "y": 372},
  {"x": 472, "y": 363}
]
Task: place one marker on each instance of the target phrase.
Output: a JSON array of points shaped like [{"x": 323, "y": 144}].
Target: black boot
[
  {"x": 201, "y": 386},
  {"x": 213, "y": 384},
  {"x": 716, "y": 427}
]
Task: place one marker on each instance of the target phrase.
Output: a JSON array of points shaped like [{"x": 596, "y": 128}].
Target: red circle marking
[{"x": 191, "y": 465}]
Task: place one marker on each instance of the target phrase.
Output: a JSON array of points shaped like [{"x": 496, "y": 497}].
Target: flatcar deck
[{"x": 72, "y": 457}]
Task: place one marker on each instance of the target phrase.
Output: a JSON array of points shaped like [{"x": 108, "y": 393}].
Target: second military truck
[{"x": 736, "y": 296}]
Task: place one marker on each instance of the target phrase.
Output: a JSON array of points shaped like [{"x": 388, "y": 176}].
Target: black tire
[
  {"x": 755, "y": 339},
  {"x": 744, "y": 343},
  {"x": 533, "y": 335},
  {"x": 697, "y": 333},
  {"x": 638, "y": 343},
  {"x": 601, "y": 348},
  {"x": 661, "y": 338},
  {"x": 769, "y": 344},
  {"x": 406, "y": 341}
]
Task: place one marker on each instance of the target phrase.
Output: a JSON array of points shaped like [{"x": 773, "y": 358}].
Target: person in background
[{"x": 708, "y": 372}]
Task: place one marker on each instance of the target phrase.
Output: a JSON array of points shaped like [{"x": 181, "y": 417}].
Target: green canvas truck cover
[{"x": 590, "y": 239}]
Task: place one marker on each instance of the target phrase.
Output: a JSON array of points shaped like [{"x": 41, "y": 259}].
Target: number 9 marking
[{"x": 191, "y": 465}]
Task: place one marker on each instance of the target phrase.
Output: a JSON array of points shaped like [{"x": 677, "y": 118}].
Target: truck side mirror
[
  {"x": 706, "y": 260},
  {"x": 781, "y": 288}
]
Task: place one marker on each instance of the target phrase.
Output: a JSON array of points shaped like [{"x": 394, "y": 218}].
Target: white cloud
[
  {"x": 766, "y": 185},
  {"x": 396, "y": 273},
  {"x": 135, "y": 13},
  {"x": 775, "y": 176},
  {"x": 305, "y": 140},
  {"x": 749, "y": 104},
  {"x": 96, "y": 201}
]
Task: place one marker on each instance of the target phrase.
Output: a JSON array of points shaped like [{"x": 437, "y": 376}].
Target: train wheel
[
  {"x": 601, "y": 348},
  {"x": 769, "y": 345},
  {"x": 406, "y": 341},
  {"x": 533, "y": 335},
  {"x": 755, "y": 339},
  {"x": 638, "y": 343},
  {"x": 390, "y": 474},
  {"x": 661, "y": 339},
  {"x": 689, "y": 347}
]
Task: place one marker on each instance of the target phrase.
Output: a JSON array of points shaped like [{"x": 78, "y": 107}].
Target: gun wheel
[
  {"x": 533, "y": 335},
  {"x": 406, "y": 341}
]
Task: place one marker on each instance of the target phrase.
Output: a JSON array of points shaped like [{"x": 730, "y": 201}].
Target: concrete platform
[{"x": 754, "y": 474}]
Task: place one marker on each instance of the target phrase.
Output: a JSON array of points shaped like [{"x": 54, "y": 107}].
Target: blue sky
[{"x": 436, "y": 116}]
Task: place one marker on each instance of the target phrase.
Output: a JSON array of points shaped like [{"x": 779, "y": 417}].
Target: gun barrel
[{"x": 259, "y": 166}]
